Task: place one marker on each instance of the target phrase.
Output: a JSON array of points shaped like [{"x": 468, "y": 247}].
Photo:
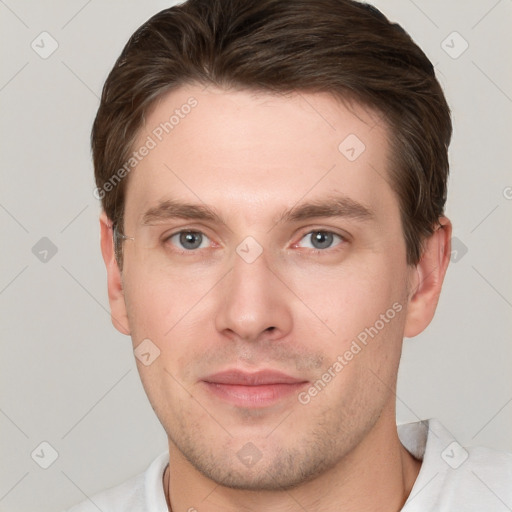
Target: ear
[
  {"x": 114, "y": 280},
  {"x": 427, "y": 280}
]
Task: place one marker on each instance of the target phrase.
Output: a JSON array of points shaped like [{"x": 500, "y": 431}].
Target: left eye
[
  {"x": 320, "y": 240},
  {"x": 190, "y": 240}
]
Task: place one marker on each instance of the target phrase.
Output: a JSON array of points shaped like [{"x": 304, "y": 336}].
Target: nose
[{"x": 255, "y": 304}]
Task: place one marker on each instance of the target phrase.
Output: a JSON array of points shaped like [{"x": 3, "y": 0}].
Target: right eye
[{"x": 189, "y": 240}]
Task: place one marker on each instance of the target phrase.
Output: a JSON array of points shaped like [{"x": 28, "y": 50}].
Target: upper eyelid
[
  {"x": 342, "y": 234},
  {"x": 194, "y": 225},
  {"x": 311, "y": 231},
  {"x": 176, "y": 231},
  {"x": 302, "y": 233}
]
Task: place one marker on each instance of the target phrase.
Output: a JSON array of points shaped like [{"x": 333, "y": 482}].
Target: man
[{"x": 273, "y": 178}]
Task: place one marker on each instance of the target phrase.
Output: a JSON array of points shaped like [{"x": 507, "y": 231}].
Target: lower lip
[{"x": 254, "y": 396}]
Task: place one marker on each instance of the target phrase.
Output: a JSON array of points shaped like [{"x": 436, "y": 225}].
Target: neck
[{"x": 377, "y": 475}]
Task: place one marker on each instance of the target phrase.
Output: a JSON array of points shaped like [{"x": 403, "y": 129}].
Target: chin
[{"x": 271, "y": 469}]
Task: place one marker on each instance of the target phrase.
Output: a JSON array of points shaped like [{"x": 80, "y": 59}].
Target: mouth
[{"x": 259, "y": 389}]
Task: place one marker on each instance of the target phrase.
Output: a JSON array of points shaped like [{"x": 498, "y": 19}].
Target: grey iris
[
  {"x": 321, "y": 239},
  {"x": 191, "y": 239}
]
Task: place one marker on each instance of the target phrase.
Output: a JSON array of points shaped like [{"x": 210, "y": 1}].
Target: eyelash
[{"x": 193, "y": 252}]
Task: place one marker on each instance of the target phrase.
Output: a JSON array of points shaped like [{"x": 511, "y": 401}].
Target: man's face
[{"x": 294, "y": 262}]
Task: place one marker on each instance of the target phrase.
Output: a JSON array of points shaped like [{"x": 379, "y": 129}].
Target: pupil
[
  {"x": 322, "y": 240},
  {"x": 191, "y": 240}
]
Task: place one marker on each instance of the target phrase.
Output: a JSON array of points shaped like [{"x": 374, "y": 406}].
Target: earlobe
[
  {"x": 428, "y": 279},
  {"x": 114, "y": 280}
]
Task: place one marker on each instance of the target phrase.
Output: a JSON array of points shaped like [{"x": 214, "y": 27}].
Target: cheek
[
  {"x": 362, "y": 357},
  {"x": 157, "y": 302},
  {"x": 344, "y": 300}
]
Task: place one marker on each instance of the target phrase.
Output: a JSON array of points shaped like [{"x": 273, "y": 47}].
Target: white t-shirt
[{"x": 451, "y": 479}]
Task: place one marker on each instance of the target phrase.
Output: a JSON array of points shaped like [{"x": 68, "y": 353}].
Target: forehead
[{"x": 256, "y": 152}]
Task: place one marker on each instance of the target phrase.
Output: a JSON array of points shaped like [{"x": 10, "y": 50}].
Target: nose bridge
[
  {"x": 254, "y": 301},
  {"x": 251, "y": 274}
]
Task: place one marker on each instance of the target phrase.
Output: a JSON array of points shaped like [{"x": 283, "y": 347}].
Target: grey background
[{"x": 68, "y": 378}]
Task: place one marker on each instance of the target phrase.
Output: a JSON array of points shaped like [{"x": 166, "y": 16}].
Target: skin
[{"x": 250, "y": 157}]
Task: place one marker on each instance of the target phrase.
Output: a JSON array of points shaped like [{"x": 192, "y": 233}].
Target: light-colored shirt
[{"x": 451, "y": 478}]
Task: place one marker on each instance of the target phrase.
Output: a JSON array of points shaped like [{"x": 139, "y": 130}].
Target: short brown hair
[{"x": 342, "y": 47}]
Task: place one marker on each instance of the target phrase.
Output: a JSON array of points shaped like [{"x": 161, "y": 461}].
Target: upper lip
[{"x": 259, "y": 378}]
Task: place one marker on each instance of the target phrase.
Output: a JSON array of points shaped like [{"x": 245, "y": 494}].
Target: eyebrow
[
  {"x": 171, "y": 209},
  {"x": 334, "y": 206},
  {"x": 331, "y": 206}
]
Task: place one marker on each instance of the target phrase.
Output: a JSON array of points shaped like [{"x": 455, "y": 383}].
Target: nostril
[{"x": 270, "y": 329}]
